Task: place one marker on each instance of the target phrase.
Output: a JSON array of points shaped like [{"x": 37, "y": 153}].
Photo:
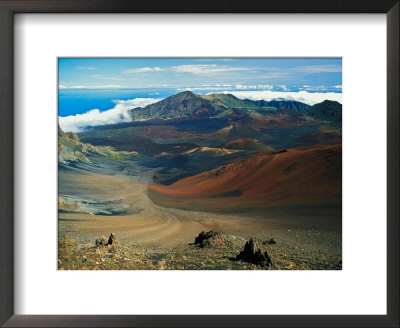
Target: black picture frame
[{"x": 10, "y": 7}]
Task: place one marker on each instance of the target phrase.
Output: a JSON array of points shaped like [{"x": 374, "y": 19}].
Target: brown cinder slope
[{"x": 302, "y": 175}]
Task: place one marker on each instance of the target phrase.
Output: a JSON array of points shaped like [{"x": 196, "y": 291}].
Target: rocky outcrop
[
  {"x": 70, "y": 149},
  {"x": 253, "y": 253},
  {"x": 205, "y": 238},
  {"x": 112, "y": 239},
  {"x": 103, "y": 241}
]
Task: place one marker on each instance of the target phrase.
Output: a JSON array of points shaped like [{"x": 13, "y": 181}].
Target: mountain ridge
[
  {"x": 189, "y": 105},
  {"x": 184, "y": 104},
  {"x": 326, "y": 110}
]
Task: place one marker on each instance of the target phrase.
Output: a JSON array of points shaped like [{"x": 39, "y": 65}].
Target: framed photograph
[
  {"x": 249, "y": 164},
  {"x": 214, "y": 164}
]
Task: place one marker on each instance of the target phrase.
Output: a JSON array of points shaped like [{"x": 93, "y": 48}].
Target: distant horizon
[
  {"x": 115, "y": 95},
  {"x": 105, "y": 88},
  {"x": 98, "y": 112}
]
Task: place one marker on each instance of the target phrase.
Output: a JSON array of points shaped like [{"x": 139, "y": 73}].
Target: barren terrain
[{"x": 152, "y": 232}]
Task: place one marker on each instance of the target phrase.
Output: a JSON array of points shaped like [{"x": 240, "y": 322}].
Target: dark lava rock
[
  {"x": 270, "y": 242},
  {"x": 103, "y": 241},
  {"x": 111, "y": 239},
  {"x": 203, "y": 239},
  {"x": 253, "y": 253}
]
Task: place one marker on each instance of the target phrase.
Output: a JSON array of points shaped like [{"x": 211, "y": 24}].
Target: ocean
[{"x": 79, "y": 101}]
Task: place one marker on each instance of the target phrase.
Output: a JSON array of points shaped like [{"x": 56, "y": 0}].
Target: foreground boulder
[
  {"x": 112, "y": 239},
  {"x": 103, "y": 241},
  {"x": 253, "y": 253},
  {"x": 204, "y": 238}
]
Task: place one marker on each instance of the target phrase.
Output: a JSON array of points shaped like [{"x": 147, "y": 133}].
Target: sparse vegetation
[{"x": 220, "y": 252}]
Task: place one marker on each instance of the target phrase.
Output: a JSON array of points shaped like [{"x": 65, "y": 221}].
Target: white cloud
[
  {"x": 163, "y": 85},
  {"x": 143, "y": 70},
  {"x": 107, "y": 86},
  {"x": 269, "y": 76},
  {"x": 316, "y": 88},
  {"x": 86, "y": 68},
  {"x": 309, "y": 98},
  {"x": 118, "y": 114},
  {"x": 223, "y": 87},
  {"x": 265, "y": 87},
  {"x": 318, "y": 69},
  {"x": 283, "y": 87},
  {"x": 320, "y": 88},
  {"x": 206, "y": 69},
  {"x": 202, "y": 88},
  {"x": 77, "y": 87},
  {"x": 254, "y": 87},
  {"x": 244, "y": 87}
]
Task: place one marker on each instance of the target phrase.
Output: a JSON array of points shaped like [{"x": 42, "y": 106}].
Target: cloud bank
[
  {"x": 319, "y": 69},
  {"x": 94, "y": 117},
  {"x": 206, "y": 69},
  {"x": 143, "y": 70},
  {"x": 306, "y": 97},
  {"x": 120, "y": 113}
]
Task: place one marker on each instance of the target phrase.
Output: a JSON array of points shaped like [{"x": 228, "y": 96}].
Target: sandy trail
[{"x": 151, "y": 224}]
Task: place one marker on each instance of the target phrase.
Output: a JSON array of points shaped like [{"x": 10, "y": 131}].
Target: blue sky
[{"x": 277, "y": 74}]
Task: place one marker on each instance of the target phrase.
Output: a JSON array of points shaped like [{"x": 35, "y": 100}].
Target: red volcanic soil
[
  {"x": 247, "y": 144},
  {"x": 162, "y": 154},
  {"x": 241, "y": 142},
  {"x": 202, "y": 111},
  {"x": 299, "y": 175}
]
